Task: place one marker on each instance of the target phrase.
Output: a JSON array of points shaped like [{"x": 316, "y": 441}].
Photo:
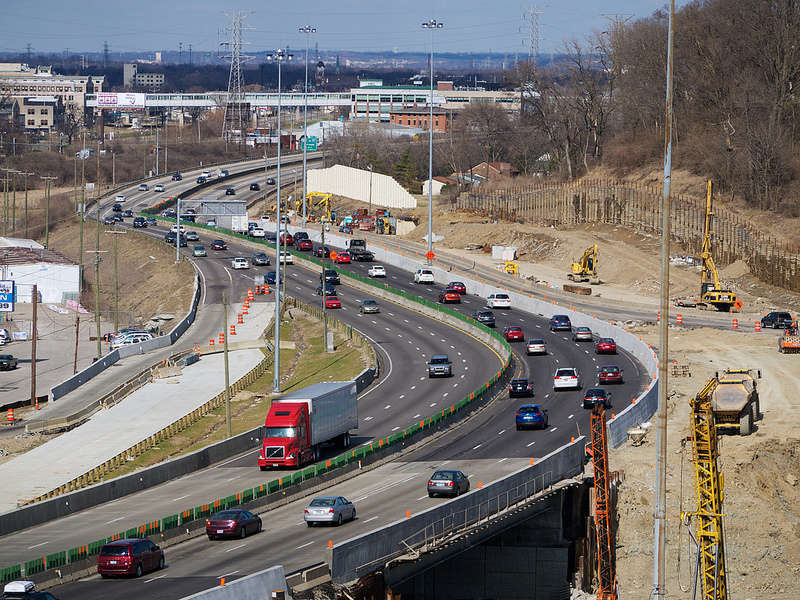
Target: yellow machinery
[
  {"x": 711, "y": 292},
  {"x": 323, "y": 200},
  {"x": 585, "y": 269},
  {"x": 603, "y": 510},
  {"x": 511, "y": 268},
  {"x": 708, "y": 481}
]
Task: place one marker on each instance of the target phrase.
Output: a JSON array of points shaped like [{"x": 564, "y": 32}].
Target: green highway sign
[{"x": 312, "y": 144}]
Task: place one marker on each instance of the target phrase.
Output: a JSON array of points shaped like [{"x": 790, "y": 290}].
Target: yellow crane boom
[{"x": 711, "y": 291}]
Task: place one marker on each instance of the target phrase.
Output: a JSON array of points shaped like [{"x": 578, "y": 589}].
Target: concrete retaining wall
[
  {"x": 363, "y": 554},
  {"x": 258, "y": 586}
]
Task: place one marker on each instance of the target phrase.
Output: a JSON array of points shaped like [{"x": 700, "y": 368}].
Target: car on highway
[
  {"x": 484, "y": 317},
  {"x": 175, "y": 228},
  {"x": 7, "y": 362},
  {"x": 423, "y": 276},
  {"x": 230, "y": 191},
  {"x": 536, "y": 346},
  {"x": 513, "y": 333},
  {"x": 269, "y": 277},
  {"x": 177, "y": 176},
  {"x": 447, "y": 483},
  {"x": 223, "y": 173},
  {"x": 286, "y": 258},
  {"x": 128, "y": 339},
  {"x": 117, "y": 208},
  {"x": 260, "y": 259},
  {"x": 610, "y": 374},
  {"x": 595, "y": 396},
  {"x": 777, "y": 320},
  {"x": 118, "y": 218},
  {"x": 109, "y": 220},
  {"x": 605, "y": 346},
  {"x": 566, "y": 378},
  {"x": 192, "y": 236},
  {"x": 24, "y": 590},
  {"x": 582, "y": 334},
  {"x": 498, "y": 300},
  {"x": 331, "y": 277},
  {"x": 322, "y": 251},
  {"x": 202, "y": 179},
  {"x": 343, "y": 258},
  {"x": 332, "y": 302},
  {"x": 5, "y": 336},
  {"x": 301, "y": 235},
  {"x": 206, "y": 174},
  {"x": 519, "y": 387},
  {"x": 368, "y": 306},
  {"x": 560, "y": 323},
  {"x": 159, "y": 187},
  {"x": 458, "y": 286},
  {"x": 345, "y": 229},
  {"x": 170, "y": 213},
  {"x": 376, "y": 271},
  {"x": 531, "y": 416},
  {"x": 119, "y": 198},
  {"x": 440, "y": 366},
  {"x": 303, "y": 244},
  {"x": 170, "y": 238},
  {"x": 449, "y": 296},
  {"x": 270, "y": 181},
  {"x": 139, "y": 222},
  {"x": 219, "y": 245},
  {"x": 287, "y": 239},
  {"x": 129, "y": 557},
  {"x": 143, "y": 187},
  {"x": 329, "y": 290},
  {"x": 240, "y": 263},
  {"x": 199, "y": 250},
  {"x": 232, "y": 523},
  {"x": 254, "y": 187},
  {"x": 257, "y": 232},
  {"x": 333, "y": 510},
  {"x": 127, "y": 214},
  {"x": 211, "y": 222}
]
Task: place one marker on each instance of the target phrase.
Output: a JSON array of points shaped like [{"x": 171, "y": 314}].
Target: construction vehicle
[
  {"x": 323, "y": 203},
  {"x": 603, "y": 517},
  {"x": 511, "y": 268},
  {"x": 734, "y": 400},
  {"x": 789, "y": 342},
  {"x": 708, "y": 483},
  {"x": 711, "y": 291},
  {"x": 585, "y": 269}
]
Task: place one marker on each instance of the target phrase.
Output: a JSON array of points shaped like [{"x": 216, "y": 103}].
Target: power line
[{"x": 234, "y": 102}]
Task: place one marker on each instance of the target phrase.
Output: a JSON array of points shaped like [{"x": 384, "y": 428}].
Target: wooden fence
[{"x": 638, "y": 207}]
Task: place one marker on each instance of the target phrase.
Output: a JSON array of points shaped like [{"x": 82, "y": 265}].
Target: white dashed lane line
[
  {"x": 368, "y": 418},
  {"x": 433, "y": 404},
  {"x": 501, "y": 432},
  {"x": 387, "y": 407},
  {"x": 413, "y": 387},
  {"x": 553, "y": 429},
  {"x": 531, "y": 444},
  {"x": 402, "y": 396},
  {"x": 395, "y": 428},
  {"x": 569, "y": 417},
  {"x": 415, "y": 416}
]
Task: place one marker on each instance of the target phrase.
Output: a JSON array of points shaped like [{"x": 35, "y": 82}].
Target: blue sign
[{"x": 6, "y": 295}]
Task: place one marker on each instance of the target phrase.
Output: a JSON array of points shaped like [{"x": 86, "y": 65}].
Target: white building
[{"x": 57, "y": 278}]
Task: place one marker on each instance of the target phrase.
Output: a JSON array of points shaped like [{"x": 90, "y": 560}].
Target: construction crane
[
  {"x": 323, "y": 200},
  {"x": 585, "y": 269},
  {"x": 711, "y": 292},
  {"x": 708, "y": 482},
  {"x": 606, "y": 560}
]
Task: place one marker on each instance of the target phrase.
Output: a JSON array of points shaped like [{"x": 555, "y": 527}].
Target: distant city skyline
[{"x": 80, "y": 26}]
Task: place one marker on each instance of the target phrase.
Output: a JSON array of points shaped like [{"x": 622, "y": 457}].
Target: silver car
[
  {"x": 582, "y": 334},
  {"x": 369, "y": 306},
  {"x": 329, "y": 509}
]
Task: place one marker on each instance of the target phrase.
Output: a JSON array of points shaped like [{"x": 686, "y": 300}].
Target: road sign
[
  {"x": 6, "y": 296},
  {"x": 429, "y": 255},
  {"x": 312, "y": 143},
  {"x": 334, "y": 255}
]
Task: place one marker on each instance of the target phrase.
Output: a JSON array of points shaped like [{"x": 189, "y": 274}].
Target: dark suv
[
  {"x": 777, "y": 320},
  {"x": 331, "y": 277},
  {"x": 484, "y": 317},
  {"x": 129, "y": 557},
  {"x": 560, "y": 323}
]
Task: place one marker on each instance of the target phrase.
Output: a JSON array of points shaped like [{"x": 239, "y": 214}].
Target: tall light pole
[
  {"x": 308, "y": 30},
  {"x": 279, "y": 56},
  {"x": 431, "y": 25}
]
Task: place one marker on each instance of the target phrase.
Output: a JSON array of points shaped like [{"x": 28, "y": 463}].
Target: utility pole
[
  {"x": 660, "y": 504},
  {"x": 35, "y": 300},
  {"x": 113, "y": 169},
  {"x": 75, "y": 182},
  {"x": 432, "y": 25},
  {"x": 77, "y": 333},
  {"x": 369, "y": 212},
  {"x": 324, "y": 283},
  {"x": 47, "y": 179},
  {"x": 157, "y": 150},
  {"x": 115, "y": 232},
  {"x": 227, "y": 375},
  {"x": 308, "y": 30}
]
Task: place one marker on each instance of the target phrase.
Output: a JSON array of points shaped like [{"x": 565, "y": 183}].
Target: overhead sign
[
  {"x": 6, "y": 295},
  {"x": 312, "y": 144},
  {"x": 120, "y": 100}
]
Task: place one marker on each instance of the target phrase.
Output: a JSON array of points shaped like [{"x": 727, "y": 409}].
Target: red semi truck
[{"x": 299, "y": 423}]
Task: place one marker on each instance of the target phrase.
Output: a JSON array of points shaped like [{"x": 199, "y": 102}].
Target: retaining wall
[{"x": 258, "y": 586}]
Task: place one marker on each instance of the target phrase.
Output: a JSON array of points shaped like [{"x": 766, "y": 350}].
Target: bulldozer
[
  {"x": 712, "y": 293},
  {"x": 734, "y": 400},
  {"x": 585, "y": 268}
]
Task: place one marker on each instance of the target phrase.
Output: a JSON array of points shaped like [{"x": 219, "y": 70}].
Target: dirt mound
[{"x": 735, "y": 270}]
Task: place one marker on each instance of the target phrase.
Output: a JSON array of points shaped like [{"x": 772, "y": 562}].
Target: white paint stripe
[
  {"x": 569, "y": 417},
  {"x": 395, "y": 428},
  {"x": 173, "y": 500},
  {"x": 236, "y": 547},
  {"x": 304, "y": 545},
  {"x": 553, "y": 429},
  {"x": 154, "y": 578},
  {"x": 502, "y": 460},
  {"x": 43, "y": 543},
  {"x": 370, "y": 519},
  {"x": 422, "y": 497},
  {"x": 387, "y": 407},
  {"x": 415, "y": 416},
  {"x": 226, "y": 574},
  {"x": 531, "y": 444},
  {"x": 501, "y": 432},
  {"x": 114, "y": 520},
  {"x": 476, "y": 447}
]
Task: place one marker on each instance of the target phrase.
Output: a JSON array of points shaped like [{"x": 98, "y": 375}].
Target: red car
[
  {"x": 449, "y": 295},
  {"x": 332, "y": 302},
  {"x": 458, "y": 286},
  {"x": 219, "y": 245},
  {"x": 605, "y": 346},
  {"x": 232, "y": 523},
  {"x": 610, "y": 374},
  {"x": 129, "y": 557},
  {"x": 289, "y": 239},
  {"x": 342, "y": 257},
  {"x": 304, "y": 244},
  {"x": 513, "y": 334}
]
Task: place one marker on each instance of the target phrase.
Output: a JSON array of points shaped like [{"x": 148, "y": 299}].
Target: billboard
[
  {"x": 6, "y": 295},
  {"x": 120, "y": 100}
]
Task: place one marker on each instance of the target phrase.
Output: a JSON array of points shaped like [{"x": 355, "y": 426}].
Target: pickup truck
[
  {"x": 7, "y": 362},
  {"x": 440, "y": 366}
]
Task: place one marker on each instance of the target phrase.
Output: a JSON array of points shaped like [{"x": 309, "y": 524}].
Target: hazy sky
[{"x": 469, "y": 25}]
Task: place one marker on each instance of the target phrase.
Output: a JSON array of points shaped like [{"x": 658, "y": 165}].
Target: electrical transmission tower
[
  {"x": 105, "y": 54},
  {"x": 236, "y": 111},
  {"x": 531, "y": 15}
]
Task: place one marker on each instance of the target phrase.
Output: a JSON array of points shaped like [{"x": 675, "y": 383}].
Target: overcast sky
[{"x": 147, "y": 25}]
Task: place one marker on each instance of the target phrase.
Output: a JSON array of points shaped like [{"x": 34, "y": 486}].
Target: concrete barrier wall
[
  {"x": 364, "y": 379},
  {"x": 360, "y": 555},
  {"x": 360, "y": 184},
  {"x": 81, "y": 377},
  {"x": 258, "y": 586}
]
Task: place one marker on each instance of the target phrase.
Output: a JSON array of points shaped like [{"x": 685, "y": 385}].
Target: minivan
[{"x": 129, "y": 557}]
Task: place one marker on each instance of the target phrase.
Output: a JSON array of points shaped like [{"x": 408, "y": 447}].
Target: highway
[{"x": 485, "y": 447}]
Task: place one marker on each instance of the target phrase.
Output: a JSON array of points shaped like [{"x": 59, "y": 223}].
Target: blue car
[
  {"x": 560, "y": 323},
  {"x": 269, "y": 277},
  {"x": 531, "y": 416}
]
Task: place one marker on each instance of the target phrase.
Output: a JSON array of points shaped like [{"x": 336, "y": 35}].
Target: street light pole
[
  {"x": 278, "y": 56},
  {"x": 308, "y": 30},
  {"x": 431, "y": 25}
]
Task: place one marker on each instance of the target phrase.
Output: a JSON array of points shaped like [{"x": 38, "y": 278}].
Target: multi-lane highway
[{"x": 485, "y": 447}]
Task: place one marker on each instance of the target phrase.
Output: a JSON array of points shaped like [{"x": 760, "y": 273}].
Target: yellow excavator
[
  {"x": 585, "y": 269},
  {"x": 711, "y": 291},
  {"x": 323, "y": 201}
]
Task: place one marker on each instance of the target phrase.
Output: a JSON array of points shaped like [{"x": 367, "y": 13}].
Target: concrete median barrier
[{"x": 258, "y": 586}]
